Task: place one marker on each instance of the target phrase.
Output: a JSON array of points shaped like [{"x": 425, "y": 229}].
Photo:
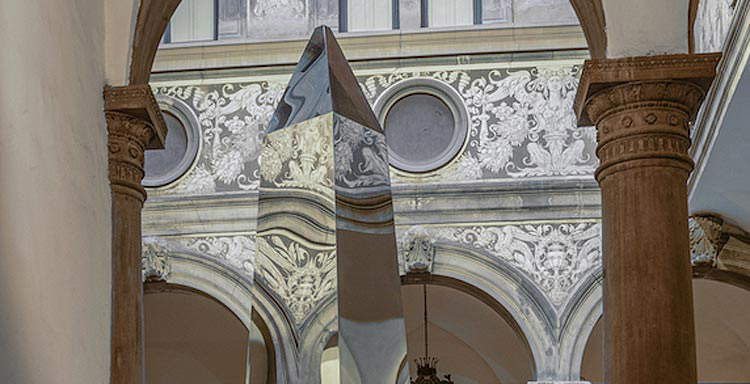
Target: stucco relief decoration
[
  {"x": 531, "y": 109},
  {"x": 521, "y": 126},
  {"x": 555, "y": 256},
  {"x": 361, "y": 155},
  {"x": 298, "y": 157},
  {"x": 155, "y": 260},
  {"x": 712, "y": 24},
  {"x": 233, "y": 119},
  {"x": 236, "y": 251},
  {"x": 522, "y": 121},
  {"x": 417, "y": 250},
  {"x": 294, "y": 8},
  {"x": 302, "y": 277}
]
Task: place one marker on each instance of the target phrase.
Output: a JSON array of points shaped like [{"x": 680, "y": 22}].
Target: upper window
[
  {"x": 193, "y": 20},
  {"x": 452, "y": 13},
  {"x": 204, "y": 20},
  {"x": 368, "y": 15},
  {"x": 272, "y": 20}
]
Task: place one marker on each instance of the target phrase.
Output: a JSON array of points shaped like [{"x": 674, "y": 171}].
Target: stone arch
[
  {"x": 591, "y": 15},
  {"x": 200, "y": 273},
  {"x": 589, "y": 310},
  {"x": 508, "y": 292},
  {"x": 591, "y": 314},
  {"x": 503, "y": 289},
  {"x": 579, "y": 324},
  {"x": 462, "y": 286},
  {"x": 153, "y": 17},
  {"x": 313, "y": 341}
]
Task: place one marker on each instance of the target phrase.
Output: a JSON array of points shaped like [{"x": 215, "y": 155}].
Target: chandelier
[{"x": 427, "y": 365}]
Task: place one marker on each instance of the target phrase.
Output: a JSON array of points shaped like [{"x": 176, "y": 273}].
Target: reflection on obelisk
[{"x": 325, "y": 219}]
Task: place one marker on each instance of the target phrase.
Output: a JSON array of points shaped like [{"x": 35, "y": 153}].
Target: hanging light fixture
[{"x": 427, "y": 365}]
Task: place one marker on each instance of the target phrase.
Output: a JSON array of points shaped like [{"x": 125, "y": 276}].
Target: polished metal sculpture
[{"x": 325, "y": 218}]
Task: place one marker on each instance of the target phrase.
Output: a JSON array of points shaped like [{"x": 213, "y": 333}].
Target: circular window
[
  {"x": 180, "y": 148},
  {"x": 425, "y": 124}
]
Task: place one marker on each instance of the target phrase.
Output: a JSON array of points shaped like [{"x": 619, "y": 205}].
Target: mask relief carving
[
  {"x": 155, "y": 261},
  {"x": 417, "y": 250}
]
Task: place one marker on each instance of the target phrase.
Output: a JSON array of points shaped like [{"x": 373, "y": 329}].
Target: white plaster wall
[
  {"x": 646, "y": 27},
  {"x": 120, "y": 17},
  {"x": 54, "y": 195}
]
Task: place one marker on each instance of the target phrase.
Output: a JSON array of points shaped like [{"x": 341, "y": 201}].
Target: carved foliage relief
[
  {"x": 521, "y": 122},
  {"x": 361, "y": 156},
  {"x": 233, "y": 118},
  {"x": 236, "y": 251},
  {"x": 522, "y": 126},
  {"x": 555, "y": 256},
  {"x": 300, "y": 156},
  {"x": 302, "y": 276}
]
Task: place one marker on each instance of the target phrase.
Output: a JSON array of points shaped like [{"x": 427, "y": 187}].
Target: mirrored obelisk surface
[{"x": 325, "y": 218}]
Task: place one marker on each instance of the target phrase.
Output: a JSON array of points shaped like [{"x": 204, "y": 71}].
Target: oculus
[
  {"x": 180, "y": 148},
  {"x": 425, "y": 122}
]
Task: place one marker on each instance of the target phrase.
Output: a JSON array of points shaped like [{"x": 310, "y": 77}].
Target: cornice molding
[{"x": 371, "y": 47}]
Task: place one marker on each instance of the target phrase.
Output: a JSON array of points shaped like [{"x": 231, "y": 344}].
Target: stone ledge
[{"x": 380, "y": 47}]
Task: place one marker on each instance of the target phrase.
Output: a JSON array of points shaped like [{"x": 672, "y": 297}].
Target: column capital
[
  {"x": 134, "y": 124},
  {"x": 642, "y": 108},
  {"x": 610, "y": 83},
  {"x": 138, "y": 102}
]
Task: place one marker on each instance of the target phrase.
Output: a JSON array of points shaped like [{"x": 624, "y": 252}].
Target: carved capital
[
  {"x": 600, "y": 74},
  {"x": 642, "y": 108},
  {"x": 126, "y": 144},
  {"x": 134, "y": 124},
  {"x": 718, "y": 245},
  {"x": 139, "y": 102}
]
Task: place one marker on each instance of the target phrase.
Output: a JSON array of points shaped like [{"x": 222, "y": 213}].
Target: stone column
[
  {"x": 134, "y": 124},
  {"x": 642, "y": 108}
]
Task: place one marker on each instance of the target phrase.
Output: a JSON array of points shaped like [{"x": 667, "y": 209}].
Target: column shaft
[
  {"x": 134, "y": 124},
  {"x": 648, "y": 293},
  {"x": 642, "y": 108}
]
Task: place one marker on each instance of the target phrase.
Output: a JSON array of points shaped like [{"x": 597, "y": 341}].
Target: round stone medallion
[
  {"x": 425, "y": 124},
  {"x": 180, "y": 148}
]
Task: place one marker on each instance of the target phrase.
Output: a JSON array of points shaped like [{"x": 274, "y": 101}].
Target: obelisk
[{"x": 325, "y": 208}]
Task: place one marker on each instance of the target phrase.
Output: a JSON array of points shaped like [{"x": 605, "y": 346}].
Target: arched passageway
[
  {"x": 722, "y": 328},
  {"x": 193, "y": 338},
  {"x": 473, "y": 342}
]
